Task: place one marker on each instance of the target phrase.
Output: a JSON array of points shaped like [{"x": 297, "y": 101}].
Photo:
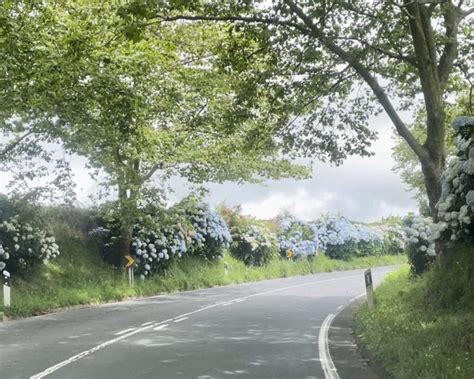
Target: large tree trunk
[{"x": 432, "y": 175}]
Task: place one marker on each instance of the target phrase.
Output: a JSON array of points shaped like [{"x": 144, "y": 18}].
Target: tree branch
[
  {"x": 10, "y": 146},
  {"x": 466, "y": 13},
  {"x": 310, "y": 29},
  {"x": 419, "y": 150},
  {"x": 151, "y": 171},
  {"x": 252, "y": 19},
  {"x": 391, "y": 54}
]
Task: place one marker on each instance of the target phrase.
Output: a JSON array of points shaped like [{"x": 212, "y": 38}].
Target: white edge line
[
  {"x": 160, "y": 327},
  {"x": 330, "y": 371},
  {"x": 181, "y": 319},
  {"x": 148, "y": 323},
  {"x": 329, "y": 368},
  {"x": 123, "y": 331},
  {"x": 85, "y": 353}
]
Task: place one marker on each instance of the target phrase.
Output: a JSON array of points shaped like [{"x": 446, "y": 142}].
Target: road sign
[
  {"x": 130, "y": 261},
  {"x": 368, "y": 278},
  {"x": 369, "y": 286},
  {"x": 289, "y": 254}
]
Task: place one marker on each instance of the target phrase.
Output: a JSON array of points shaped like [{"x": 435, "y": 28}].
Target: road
[{"x": 268, "y": 329}]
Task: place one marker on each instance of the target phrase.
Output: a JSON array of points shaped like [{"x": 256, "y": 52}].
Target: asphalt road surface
[{"x": 268, "y": 329}]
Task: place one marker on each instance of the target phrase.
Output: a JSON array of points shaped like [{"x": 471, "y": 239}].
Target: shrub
[
  {"x": 297, "y": 238},
  {"x": 456, "y": 205},
  {"x": 253, "y": 245},
  {"x": 154, "y": 250},
  {"x": 209, "y": 233},
  {"x": 393, "y": 239},
  {"x": 336, "y": 236},
  {"x": 162, "y": 235},
  {"x": 24, "y": 246},
  {"x": 340, "y": 238},
  {"x": 420, "y": 243}
]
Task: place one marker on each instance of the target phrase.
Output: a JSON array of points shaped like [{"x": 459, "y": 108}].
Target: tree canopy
[{"x": 342, "y": 61}]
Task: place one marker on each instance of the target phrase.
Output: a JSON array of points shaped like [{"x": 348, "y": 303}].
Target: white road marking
[
  {"x": 330, "y": 371},
  {"x": 85, "y": 353},
  {"x": 160, "y": 327},
  {"x": 148, "y": 323},
  {"x": 354, "y": 299},
  {"x": 124, "y": 331},
  {"x": 181, "y": 319}
]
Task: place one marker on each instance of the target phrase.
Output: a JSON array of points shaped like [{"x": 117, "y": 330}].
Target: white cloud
[{"x": 301, "y": 204}]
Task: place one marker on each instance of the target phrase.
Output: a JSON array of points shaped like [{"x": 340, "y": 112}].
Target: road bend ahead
[{"x": 268, "y": 329}]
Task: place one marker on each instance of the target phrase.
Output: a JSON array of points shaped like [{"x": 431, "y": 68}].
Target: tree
[
  {"x": 342, "y": 60},
  {"x": 407, "y": 163},
  {"x": 139, "y": 104}
]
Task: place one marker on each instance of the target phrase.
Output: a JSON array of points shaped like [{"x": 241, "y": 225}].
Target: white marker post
[
  {"x": 6, "y": 289},
  {"x": 129, "y": 266},
  {"x": 369, "y": 286},
  {"x": 131, "y": 277},
  {"x": 226, "y": 268}
]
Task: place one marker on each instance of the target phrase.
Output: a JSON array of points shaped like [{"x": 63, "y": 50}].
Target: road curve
[{"x": 268, "y": 329}]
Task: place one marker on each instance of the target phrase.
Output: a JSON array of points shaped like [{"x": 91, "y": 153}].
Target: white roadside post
[
  {"x": 369, "y": 286},
  {"x": 129, "y": 266},
  {"x": 6, "y": 289},
  {"x": 226, "y": 268}
]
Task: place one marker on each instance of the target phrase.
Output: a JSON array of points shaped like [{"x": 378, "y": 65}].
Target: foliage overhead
[
  {"x": 133, "y": 106},
  {"x": 338, "y": 62}
]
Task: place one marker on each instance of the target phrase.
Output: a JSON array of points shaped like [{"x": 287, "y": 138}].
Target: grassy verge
[
  {"x": 80, "y": 277},
  {"x": 423, "y": 327}
]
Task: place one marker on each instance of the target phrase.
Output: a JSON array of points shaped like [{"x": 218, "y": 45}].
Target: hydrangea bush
[
  {"x": 163, "y": 235},
  {"x": 253, "y": 244},
  {"x": 340, "y": 238},
  {"x": 335, "y": 236},
  {"x": 209, "y": 233},
  {"x": 394, "y": 239},
  {"x": 298, "y": 238},
  {"x": 420, "y": 242},
  {"x": 456, "y": 205},
  {"x": 23, "y": 246},
  {"x": 154, "y": 250}
]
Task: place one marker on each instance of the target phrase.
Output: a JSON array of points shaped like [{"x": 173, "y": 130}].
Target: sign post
[
  {"x": 6, "y": 289},
  {"x": 129, "y": 266},
  {"x": 369, "y": 286},
  {"x": 289, "y": 254}
]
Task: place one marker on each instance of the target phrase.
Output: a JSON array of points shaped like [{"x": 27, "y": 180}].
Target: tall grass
[
  {"x": 79, "y": 276},
  {"x": 423, "y": 327}
]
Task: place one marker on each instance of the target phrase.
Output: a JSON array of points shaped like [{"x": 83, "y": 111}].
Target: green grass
[
  {"x": 423, "y": 327},
  {"x": 79, "y": 276}
]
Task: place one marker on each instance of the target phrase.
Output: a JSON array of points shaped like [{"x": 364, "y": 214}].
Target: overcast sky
[{"x": 363, "y": 189}]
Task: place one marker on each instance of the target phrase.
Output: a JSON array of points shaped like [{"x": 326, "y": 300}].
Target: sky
[{"x": 362, "y": 189}]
